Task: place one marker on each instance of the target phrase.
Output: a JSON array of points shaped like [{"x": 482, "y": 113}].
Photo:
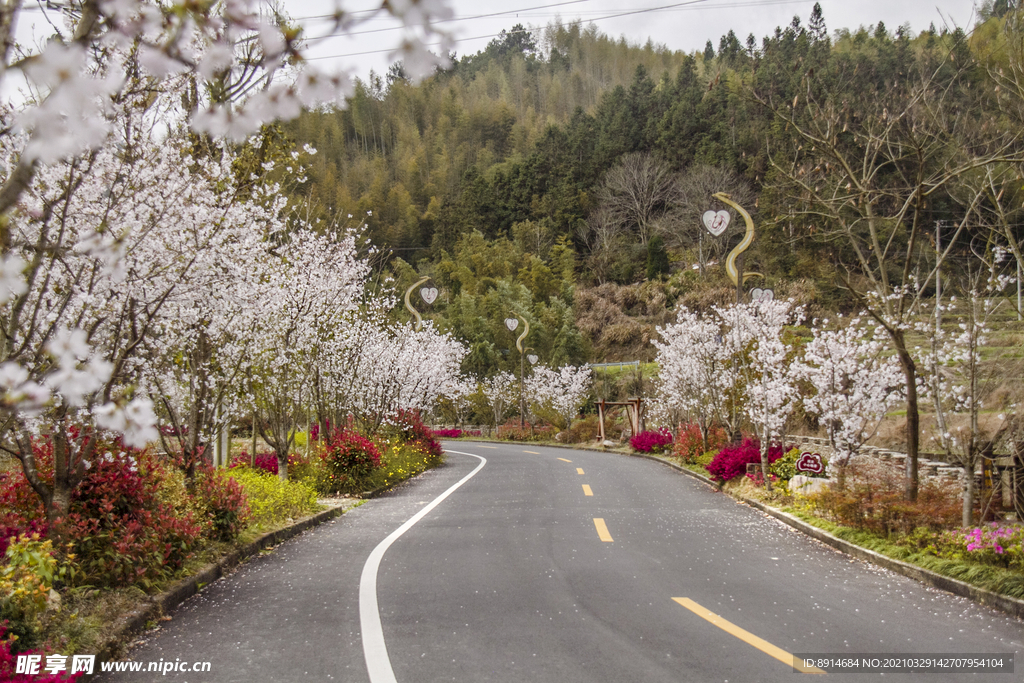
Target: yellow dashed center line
[
  {"x": 579, "y": 470},
  {"x": 747, "y": 637},
  {"x": 602, "y": 530},
  {"x": 493, "y": 448},
  {"x": 564, "y": 460},
  {"x": 532, "y": 452},
  {"x": 587, "y": 491}
]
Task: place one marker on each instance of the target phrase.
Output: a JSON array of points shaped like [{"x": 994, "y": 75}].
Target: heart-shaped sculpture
[
  {"x": 429, "y": 294},
  {"x": 758, "y": 295},
  {"x": 511, "y": 324},
  {"x": 532, "y": 358},
  {"x": 716, "y": 221}
]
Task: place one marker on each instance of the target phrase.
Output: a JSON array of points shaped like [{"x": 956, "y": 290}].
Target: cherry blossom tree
[
  {"x": 694, "y": 369},
  {"x": 960, "y": 385},
  {"x": 309, "y": 286},
  {"x": 557, "y": 395},
  {"x": 105, "y": 245},
  {"x": 501, "y": 394},
  {"x": 755, "y": 335},
  {"x": 457, "y": 397},
  {"x": 89, "y": 260},
  {"x": 854, "y": 384},
  {"x": 404, "y": 368}
]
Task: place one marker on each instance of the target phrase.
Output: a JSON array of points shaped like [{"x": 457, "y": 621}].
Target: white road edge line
[{"x": 378, "y": 664}]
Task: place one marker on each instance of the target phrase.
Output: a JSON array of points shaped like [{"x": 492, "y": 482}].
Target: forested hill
[{"x": 530, "y": 154}]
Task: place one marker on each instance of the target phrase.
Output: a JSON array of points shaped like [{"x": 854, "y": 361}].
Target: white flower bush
[{"x": 557, "y": 395}]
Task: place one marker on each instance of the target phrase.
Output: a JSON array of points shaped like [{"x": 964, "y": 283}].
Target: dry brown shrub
[
  {"x": 586, "y": 430},
  {"x": 703, "y": 296},
  {"x": 620, "y": 319},
  {"x": 622, "y": 334},
  {"x": 872, "y": 500}
]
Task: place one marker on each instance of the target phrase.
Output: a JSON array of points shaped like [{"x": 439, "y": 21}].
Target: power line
[
  {"x": 444, "y": 21},
  {"x": 676, "y": 6}
]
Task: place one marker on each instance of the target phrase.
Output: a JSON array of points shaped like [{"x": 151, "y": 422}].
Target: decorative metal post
[
  {"x": 429, "y": 294},
  {"x": 512, "y": 324},
  {"x": 748, "y": 238}
]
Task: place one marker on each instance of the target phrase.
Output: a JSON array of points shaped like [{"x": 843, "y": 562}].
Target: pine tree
[
  {"x": 709, "y": 52},
  {"x": 816, "y": 26}
]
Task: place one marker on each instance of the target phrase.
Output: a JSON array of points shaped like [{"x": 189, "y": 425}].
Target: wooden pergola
[{"x": 634, "y": 413}]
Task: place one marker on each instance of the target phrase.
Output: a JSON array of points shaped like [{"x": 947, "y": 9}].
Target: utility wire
[
  {"x": 675, "y": 6},
  {"x": 442, "y": 21}
]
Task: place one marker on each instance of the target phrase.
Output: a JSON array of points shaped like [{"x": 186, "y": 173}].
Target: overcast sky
[{"x": 679, "y": 25}]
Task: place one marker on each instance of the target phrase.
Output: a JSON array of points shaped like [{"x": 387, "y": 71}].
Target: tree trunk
[
  {"x": 913, "y": 415},
  {"x": 282, "y": 465},
  {"x": 765, "y": 467},
  {"x": 703, "y": 423},
  {"x": 968, "y": 508}
]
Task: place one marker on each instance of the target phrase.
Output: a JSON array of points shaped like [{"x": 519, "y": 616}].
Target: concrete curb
[
  {"x": 1012, "y": 606},
  {"x": 158, "y": 605},
  {"x": 1004, "y": 603}
]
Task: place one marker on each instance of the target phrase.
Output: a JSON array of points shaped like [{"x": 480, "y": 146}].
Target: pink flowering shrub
[
  {"x": 447, "y": 433},
  {"x": 732, "y": 460},
  {"x": 8, "y": 663},
  {"x": 991, "y": 544},
  {"x": 263, "y": 461},
  {"x": 651, "y": 441}
]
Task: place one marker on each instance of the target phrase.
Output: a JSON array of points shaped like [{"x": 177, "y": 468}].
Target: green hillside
[{"x": 511, "y": 178}]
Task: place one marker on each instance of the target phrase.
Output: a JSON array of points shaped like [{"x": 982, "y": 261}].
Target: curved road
[{"x": 562, "y": 566}]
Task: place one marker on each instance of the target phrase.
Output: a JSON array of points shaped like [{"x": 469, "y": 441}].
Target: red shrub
[
  {"x": 651, "y": 441},
  {"x": 447, "y": 433},
  {"x": 121, "y": 531},
  {"x": 873, "y": 499},
  {"x": 732, "y": 460},
  {"x": 349, "y": 455},
  {"x": 689, "y": 445},
  {"x": 263, "y": 461},
  {"x": 223, "y": 502},
  {"x": 413, "y": 431},
  {"x": 21, "y": 513},
  {"x": 511, "y": 431}
]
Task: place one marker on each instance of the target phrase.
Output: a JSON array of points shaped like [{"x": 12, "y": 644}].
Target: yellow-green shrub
[
  {"x": 272, "y": 500},
  {"x": 399, "y": 461},
  {"x": 27, "y": 573}
]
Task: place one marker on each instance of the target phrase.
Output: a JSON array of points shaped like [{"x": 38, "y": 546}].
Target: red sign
[{"x": 810, "y": 462}]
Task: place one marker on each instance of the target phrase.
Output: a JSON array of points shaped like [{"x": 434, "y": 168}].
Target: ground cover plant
[
  {"x": 399, "y": 461},
  {"x": 950, "y": 553}
]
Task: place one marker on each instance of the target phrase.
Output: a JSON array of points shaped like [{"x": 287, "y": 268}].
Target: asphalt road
[{"x": 561, "y": 566}]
